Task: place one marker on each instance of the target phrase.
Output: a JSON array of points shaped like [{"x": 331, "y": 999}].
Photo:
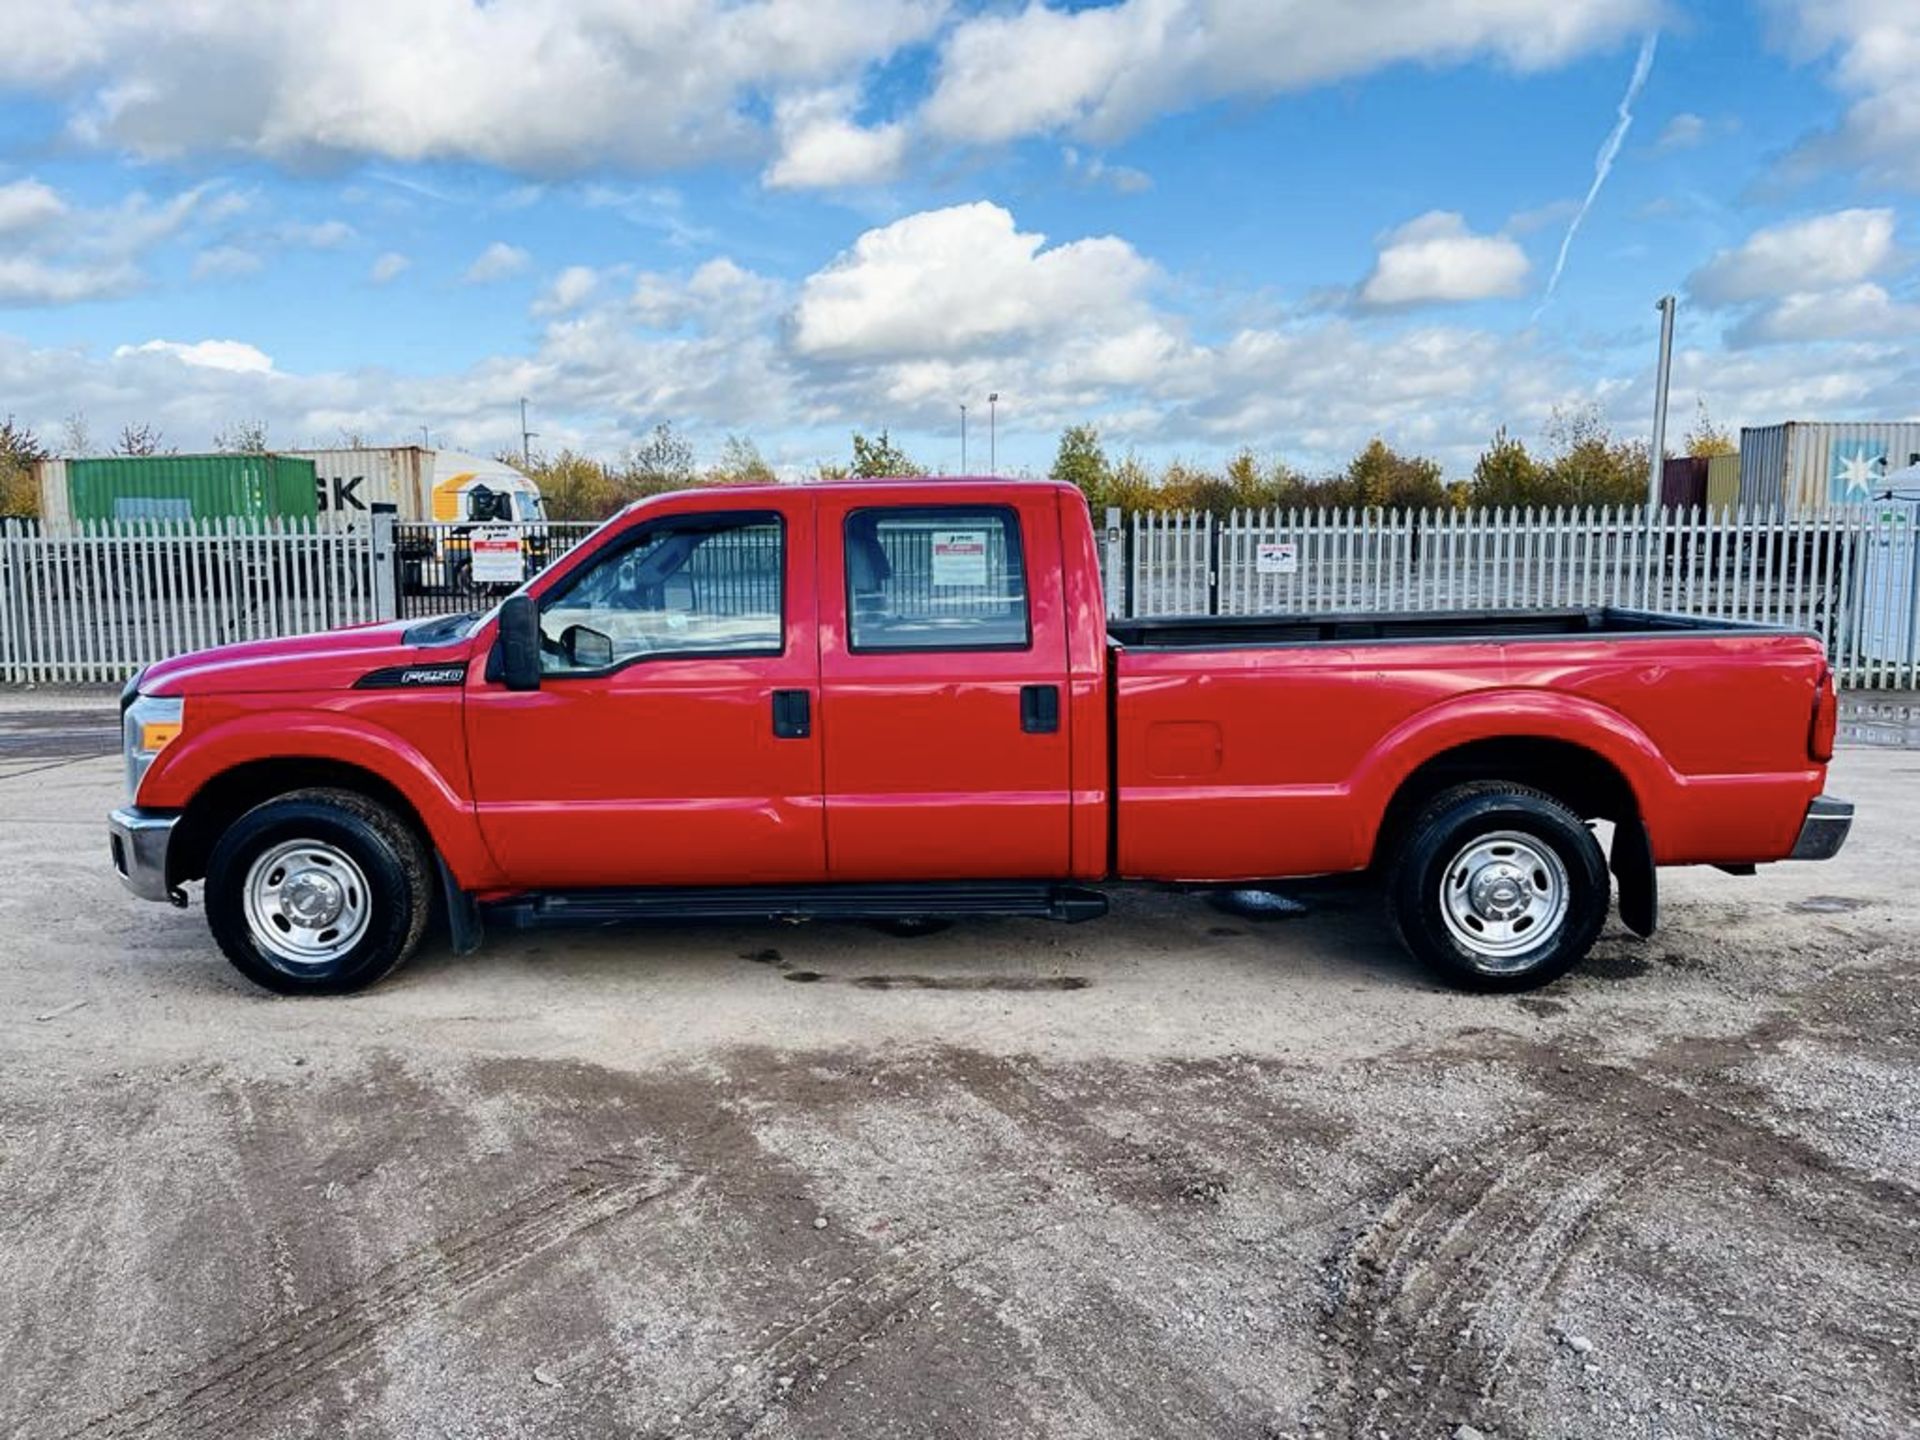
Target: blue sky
[{"x": 1201, "y": 224}]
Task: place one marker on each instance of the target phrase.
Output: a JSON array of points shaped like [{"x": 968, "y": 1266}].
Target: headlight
[{"x": 151, "y": 723}]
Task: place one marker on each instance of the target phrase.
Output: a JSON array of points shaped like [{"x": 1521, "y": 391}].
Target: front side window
[
  {"x": 699, "y": 585},
  {"x": 936, "y": 577}
]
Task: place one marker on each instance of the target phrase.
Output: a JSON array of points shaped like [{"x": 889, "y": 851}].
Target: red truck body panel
[
  {"x": 1271, "y": 762},
  {"x": 1209, "y": 762}
]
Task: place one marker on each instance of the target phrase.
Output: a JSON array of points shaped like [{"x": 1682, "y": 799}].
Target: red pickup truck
[{"x": 904, "y": 700}]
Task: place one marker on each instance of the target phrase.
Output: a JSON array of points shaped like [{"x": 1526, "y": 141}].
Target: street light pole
[
  {"x": 526, "y": 436},
  {"x": 1657, "y": 460},
  {"x": 963, "y": 439},
  {"x": 993, "y": 451}
]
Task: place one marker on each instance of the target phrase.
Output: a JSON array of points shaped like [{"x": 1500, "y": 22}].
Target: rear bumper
[
  {"x": 140, "y": 840},
  {"x": 1824, "y": 830}
]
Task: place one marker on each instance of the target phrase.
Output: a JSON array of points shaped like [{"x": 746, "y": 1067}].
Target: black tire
[
  {"x": 1526, "y": 833},
  {"x": 388, "y": 854}
]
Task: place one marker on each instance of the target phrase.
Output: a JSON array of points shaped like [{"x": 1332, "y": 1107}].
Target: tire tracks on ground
[{"x": 294, "y": 1352}]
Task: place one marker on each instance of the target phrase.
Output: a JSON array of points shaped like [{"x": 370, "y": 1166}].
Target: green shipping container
[{"x": 191, "y": 487}]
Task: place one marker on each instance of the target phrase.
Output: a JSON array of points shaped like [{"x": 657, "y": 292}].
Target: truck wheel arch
[
  {"x": 231, "y": 793},
  {"x": 1582, "y": 778}
]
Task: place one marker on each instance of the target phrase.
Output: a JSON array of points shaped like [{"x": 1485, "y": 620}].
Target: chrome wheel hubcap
[
  {"x": 307, "y": 902},
  {"x": 1503, "y": 896}
]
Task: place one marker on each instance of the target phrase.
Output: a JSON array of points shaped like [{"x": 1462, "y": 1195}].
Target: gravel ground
[{"x": 1180, "y": 1173}]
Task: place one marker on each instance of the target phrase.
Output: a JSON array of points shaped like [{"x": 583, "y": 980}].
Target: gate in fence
[{"x": 447, "y": 569}]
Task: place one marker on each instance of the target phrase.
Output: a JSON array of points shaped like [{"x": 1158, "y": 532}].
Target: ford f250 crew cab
[{"x": 903, "y": 699}]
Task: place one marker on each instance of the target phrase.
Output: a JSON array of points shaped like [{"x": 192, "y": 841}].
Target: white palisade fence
[
  {"x": 98, "y": 603},
  {"x": 1851, "y": 575}
]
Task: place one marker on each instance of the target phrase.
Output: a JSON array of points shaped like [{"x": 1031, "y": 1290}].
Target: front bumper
[
  {"x": 1824, "y": 830},
  {"x": 140, "y": 840}
]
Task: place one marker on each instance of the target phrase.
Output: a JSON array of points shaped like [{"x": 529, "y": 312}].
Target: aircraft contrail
[{"x": 1603, "y": 162}]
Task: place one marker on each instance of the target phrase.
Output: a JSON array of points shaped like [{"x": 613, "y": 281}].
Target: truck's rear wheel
[
  {"x": 1499, "y": 887},
  {"x": 319, "y": 892}
]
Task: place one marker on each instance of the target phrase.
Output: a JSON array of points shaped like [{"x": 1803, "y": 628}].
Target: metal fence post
[
  {"x": 386, "y": 598},
  {"x": 8, "y": 572},
  {"x": 1114, "y": 549},
  {"x": 1213, "y": 563}
]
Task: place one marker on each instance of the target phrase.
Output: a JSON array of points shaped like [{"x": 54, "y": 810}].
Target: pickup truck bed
[
  {"x": 892, "y": 698},
  {"x": 1216, "y": 632}
]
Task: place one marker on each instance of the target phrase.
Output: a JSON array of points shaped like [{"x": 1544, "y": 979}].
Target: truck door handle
[
  {"x": 792, "y": 715},
  {"x": 1040, "y": 709}
]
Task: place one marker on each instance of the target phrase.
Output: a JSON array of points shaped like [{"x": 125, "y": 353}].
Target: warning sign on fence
[
  {"x": 1276, "y": 557},
  {"x": 498, "y": 558}
]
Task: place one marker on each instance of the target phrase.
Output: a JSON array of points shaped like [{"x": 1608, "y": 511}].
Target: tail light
[{"x": 1826, "y": 719}]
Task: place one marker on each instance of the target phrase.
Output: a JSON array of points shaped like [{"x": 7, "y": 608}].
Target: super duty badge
[{"x": 412, "y": 677}]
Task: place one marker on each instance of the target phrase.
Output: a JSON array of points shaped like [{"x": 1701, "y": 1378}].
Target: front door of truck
[
  {"x": 943, "y": 677},
  {"x": 674, "y": 739}
]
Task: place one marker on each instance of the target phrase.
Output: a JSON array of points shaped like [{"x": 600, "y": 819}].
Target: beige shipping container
[
  {"x": 1723, "y": 481},
  {"x": 1808, "y": 465},
  {"x": 349, "y": 483},
  {"x": 420, "y": 484},
  {"x": 56, "y": 506}
]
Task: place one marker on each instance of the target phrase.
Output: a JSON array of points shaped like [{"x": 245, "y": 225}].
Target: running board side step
[{"x": 951, "y": 901}]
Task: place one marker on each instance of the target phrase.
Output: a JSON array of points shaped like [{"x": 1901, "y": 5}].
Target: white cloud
[
  {"x": 1096, "y": 170},
  {"x": 27, "y": 205},
  {"x": 389, "y": 266},
  {"x": 551, "y": 86},
  {"x": 60, "y": 254},
  {"x": 945, "y": 306},
  {"x": 822, "y": 146},
  {"x": 499, "y": 261},
  {"x": 319, "y": 235},
  {"x": 225, "y": 262},
  {"x": 568, "y": 291},
  {"x": 535, "y": 85},
  {"x": 959, "y": 278},
  {"x": 29, "y": 280},
  {"x": 1817, "y": 253},
  {"x": 1542, "y": 217},
  {"x": 1682, "y": 132},
  {"x": 1876, "y": 50},
  {"x": 1103, "y": 71},
  {"x": 1854, "y": 313},
  {"x": 232, "y": 355},
  {"x": 1435, "y": 259}
]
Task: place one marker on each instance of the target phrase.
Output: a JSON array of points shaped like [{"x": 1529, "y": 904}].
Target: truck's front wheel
[
  {"x": 318, "y": 892},
  {"x": 1499, "y": 887}
]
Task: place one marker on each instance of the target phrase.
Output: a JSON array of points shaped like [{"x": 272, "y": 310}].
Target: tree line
[{"x": 1581, "y": 463}]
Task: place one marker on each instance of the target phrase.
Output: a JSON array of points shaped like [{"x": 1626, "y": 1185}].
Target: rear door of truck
[{"x": 943, "y": 675}]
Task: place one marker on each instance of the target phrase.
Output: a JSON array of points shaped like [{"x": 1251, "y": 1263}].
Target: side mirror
[
  {"x": 587, "y": 649},
  {"x": 520, "y": 643}
]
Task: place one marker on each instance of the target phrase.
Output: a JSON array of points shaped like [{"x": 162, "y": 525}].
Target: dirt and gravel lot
[{"x": 1179, "y": 1173}]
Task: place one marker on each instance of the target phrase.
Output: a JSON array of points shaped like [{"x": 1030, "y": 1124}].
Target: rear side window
[{"x": 936, "y": 577}]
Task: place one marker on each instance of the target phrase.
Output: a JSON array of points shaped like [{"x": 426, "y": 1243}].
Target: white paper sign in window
[{"x": 960, "y": 557}]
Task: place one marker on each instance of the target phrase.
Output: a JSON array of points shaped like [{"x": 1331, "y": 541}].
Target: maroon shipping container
[{"x": 1683, "y": 483}]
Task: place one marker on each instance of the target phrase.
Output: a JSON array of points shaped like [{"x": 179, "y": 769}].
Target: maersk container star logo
[{"x": 1854, "y": 466}]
